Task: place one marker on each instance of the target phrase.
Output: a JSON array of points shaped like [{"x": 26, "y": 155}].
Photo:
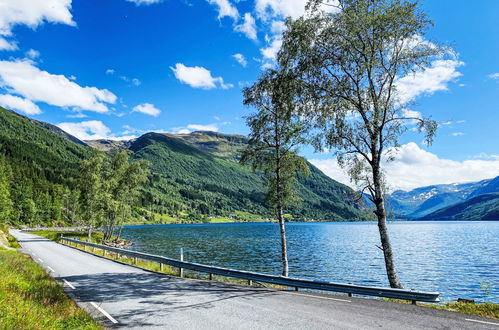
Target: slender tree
[
  {"x": 91, "y": 191},
  {"x": 122, "y": 185},
  {"x": 275, "y": 135},
  {"x": 347, "y": 63}
]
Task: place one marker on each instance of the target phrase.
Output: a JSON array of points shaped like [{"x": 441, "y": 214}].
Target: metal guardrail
[{"x": 266, "y": 278}]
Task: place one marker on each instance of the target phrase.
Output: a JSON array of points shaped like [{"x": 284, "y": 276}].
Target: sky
[{"x": 119, "y": 68}]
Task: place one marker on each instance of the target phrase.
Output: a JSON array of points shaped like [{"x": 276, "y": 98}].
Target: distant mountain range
[
  {"x": 192, "y": 175},
  {"x": 466, "y": 201}
]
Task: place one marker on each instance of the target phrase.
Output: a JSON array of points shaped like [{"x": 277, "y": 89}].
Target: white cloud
[
  {"x": 24, "y": 78},
  {"x": 110, "y": 71},
  {"x": 284, "y": 8},
  {"x": 195, "y": 127},
  {"x": 136, "y": 82},
  {"x": 144, "y": 2},
  {"x": 225, "y": 8},
  {"x": 198, "y": 77},
  {"x": 17, "y": 103},
  {"x": 433, "y": 79},
  {"x": 415, "y": 167},
  {"x": 240, "y": 59},
  {"x": 7, "y": 44},
  {"x": 270, "y": 52},
  {"x": 33, "y": 13},
  {"x": 91, "y": 130},
  {"x": 32, "y": 54},
  {"x": 457, "y": 134},
  {"x": 248, "y": 27},
  {"x": 148, "y": 109},
  {"x": 494, "y": 75}
]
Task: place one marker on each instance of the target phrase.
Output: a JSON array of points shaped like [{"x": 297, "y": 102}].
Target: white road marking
[
  {"x": 320, "y": 297},
  {"x": 69, "y": 284},
  {"x": 485, "y": 322},
  {"x": 106, "y": 314},
  {"x": 50, "y": 268}
]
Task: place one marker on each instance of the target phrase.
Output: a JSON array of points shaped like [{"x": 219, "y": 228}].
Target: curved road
[{"x": 124, "y": 296}]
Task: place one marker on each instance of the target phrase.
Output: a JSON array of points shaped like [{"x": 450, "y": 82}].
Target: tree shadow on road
[{"x": 147, "y": 296}]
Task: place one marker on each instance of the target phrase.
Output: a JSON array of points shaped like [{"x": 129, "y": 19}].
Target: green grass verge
[
  {"x": 31, "y": 299},
  {"x": 490, "y": 310}
]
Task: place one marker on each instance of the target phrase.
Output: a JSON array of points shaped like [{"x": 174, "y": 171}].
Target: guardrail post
[
  {"x": 211, "y": 277},
  {"x": 181, "y": 270},
  {"x": 250, "y": 282},
  {"x": 134, "y": 260},
  {"x": 350, "y": 294},
  {"x": 160, "y": 267},
  {"x": 414, "y": 302},
  {"x": 297, "y": 288}
]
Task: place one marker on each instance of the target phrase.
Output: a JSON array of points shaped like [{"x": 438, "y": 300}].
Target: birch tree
[
  {"x": 347, "y": 63},
  {"x": 274, "y": 139}
]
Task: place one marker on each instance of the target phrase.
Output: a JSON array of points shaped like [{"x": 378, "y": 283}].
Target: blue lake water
[{"x": 458, "y": 259}]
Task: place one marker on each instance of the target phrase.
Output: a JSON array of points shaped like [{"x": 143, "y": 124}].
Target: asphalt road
[{"x": 124, "y": 296}]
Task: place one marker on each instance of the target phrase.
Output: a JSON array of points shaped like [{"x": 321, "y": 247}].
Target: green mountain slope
[
  {"x": 481, "y": 207},
  {"x": 196, "y": 174},
  {"x": 39, "y": 160},
  {"x": 192, "y": 178}
]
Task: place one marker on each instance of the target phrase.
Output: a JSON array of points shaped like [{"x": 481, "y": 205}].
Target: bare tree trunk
[
  {"x": 380, "y": 212},
  {"x": 89, "y": 233},
  {"x": 284, "y": 249}
]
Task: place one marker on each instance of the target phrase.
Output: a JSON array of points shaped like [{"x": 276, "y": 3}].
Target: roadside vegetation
[
  {"x": 489, "y": 310},
  {"x": 31, "y": 299}
]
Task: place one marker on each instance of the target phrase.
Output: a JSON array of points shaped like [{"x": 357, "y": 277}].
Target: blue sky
[{"x": 118, "y": 68}]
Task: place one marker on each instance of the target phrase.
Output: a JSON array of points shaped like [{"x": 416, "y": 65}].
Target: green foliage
[
  {"x": 275, "y": 136},
  {"x": 31, "y": 299}
]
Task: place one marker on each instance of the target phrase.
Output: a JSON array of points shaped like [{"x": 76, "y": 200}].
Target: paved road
[{"x": 133, "y": 298}]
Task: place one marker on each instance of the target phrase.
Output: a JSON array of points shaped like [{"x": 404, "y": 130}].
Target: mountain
[
  {"x": 192, "y": 175},
  {"x": 199, "y": 173},
  {"x": 481, "y": 207},
  {"x": 424, "y": 200}
]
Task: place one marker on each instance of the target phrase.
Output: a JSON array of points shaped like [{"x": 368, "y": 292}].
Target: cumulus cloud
[
  {"x": 295, "y": 8},
  {"x": 136, "y": 82},
  {"x": 240, "y": 59},
  {"x": 31, "y": 13},
  {"x": 110, "y": 71},
  {"x": 7, "y": 44},
  {"x": 18, "y": 103},
  {"x": 269, "y": 53},
  {"x": 195, "y": 127},
  {"x": 22, "y": 77},
  {"x": 225, "y": 8},
  {"x": 494, "y": 75},
  {"x": 144, "y": 2},
  {"x": 91, "y": 130},
  {"x": 148, "y": 109},
  {"x": 433, "y": 79},
  {"x": 198, "y": 77},
  {"x": 32, "y": 54},
  {"x": 414, "y": 167},
  {"x": 248, "y": 27}
]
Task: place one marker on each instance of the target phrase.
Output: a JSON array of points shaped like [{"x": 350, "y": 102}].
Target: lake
[{"x": 457, "y": 259}]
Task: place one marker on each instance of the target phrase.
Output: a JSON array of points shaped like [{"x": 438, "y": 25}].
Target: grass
[
  {"x": 490, "y": 310},
  {"x": 31, "y": 299}
]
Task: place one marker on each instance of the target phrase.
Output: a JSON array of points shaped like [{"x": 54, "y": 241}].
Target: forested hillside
[
  {"x": 37, "y": 167},
  {"x": 192, "y": 176}
]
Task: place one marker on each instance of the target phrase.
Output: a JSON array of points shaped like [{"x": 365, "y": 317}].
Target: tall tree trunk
[
  {"x": 380, "y": 212},
  {"x": 284, "y": 249}
]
